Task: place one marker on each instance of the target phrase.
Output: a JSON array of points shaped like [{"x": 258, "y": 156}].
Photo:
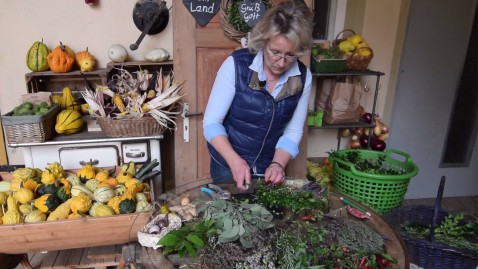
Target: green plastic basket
[{"x": 381, "y": 192}]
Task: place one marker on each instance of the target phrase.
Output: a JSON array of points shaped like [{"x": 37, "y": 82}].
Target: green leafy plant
[
  {"x": 188, "y": 239},
  {"x": 280, "y": 197},
  {"x": 452, "y": 231},
  {"x": 237, "y": 220},
  {"x": 365, "y": 165}
]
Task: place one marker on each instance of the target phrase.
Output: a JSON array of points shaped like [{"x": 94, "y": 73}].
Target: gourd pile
[{"x": 36, "y": 195}]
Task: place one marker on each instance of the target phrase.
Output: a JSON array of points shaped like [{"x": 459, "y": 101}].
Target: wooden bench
[{"x": 91, "y": 257}]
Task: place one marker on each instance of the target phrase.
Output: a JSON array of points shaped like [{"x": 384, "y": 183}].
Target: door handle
[{"x": 185, "y": 115}]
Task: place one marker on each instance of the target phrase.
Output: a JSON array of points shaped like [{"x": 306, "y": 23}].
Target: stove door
[{"x": 100, "y": 156}]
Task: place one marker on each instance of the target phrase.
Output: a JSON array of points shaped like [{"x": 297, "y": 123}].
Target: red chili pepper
[
  {"x": 306, "y": 217},
  {"x": 362, "y": 262}
]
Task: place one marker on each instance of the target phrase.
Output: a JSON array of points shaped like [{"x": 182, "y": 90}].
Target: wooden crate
[
  {"x": 70, "y": 234},
  {"x": 49, "y": 81}
]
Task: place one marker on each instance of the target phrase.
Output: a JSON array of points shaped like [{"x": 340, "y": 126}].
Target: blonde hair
[{"x": 292, "y": 19}]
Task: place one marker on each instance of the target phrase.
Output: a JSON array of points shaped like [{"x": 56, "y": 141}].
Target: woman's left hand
[{"x": 275, "y": 174}]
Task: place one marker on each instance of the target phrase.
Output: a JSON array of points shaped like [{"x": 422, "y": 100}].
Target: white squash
[
  {"x": 157, "y": 55},
  {"x": 117, "y": 53}
]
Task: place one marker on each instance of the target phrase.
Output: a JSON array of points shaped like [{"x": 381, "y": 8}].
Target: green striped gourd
[
  {"x": 68, "y": 122},
  {"x": 36, "y": 57}
]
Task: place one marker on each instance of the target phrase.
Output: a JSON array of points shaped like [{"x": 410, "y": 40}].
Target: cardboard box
[{"x": 70, "y": 234}]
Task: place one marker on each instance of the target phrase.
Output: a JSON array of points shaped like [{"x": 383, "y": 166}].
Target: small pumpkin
[
  {"x": 3, "y": 199},
  {"x": 30, "y": 184},
  {"x": 35, "y": 216},
  {"x": 81, "y": 203},
  {"x": 79, "y": 189},
  {"x": 24, "y": 195},
  {"x": 143, "y": 206},
  {"x": 26, "y": 209},
  {"x": 68, "y": 122},
  {"x": 102, "y": 175},
  {"x": 104, "y": 194},
  {"x": 128, "y": 202},
  {"x": 43, "y": 189},
  {"x": 93, "y": 207},
  {"x": 134, "y": 184},
  {"x": 5, "y": 186},
  {"x": 92, "y": 184},
  {"x": 16, "y": 184},
  {"x": 59, "y": 60},
  {"x": 48, "y": 177},
  {"x": 47, "y": 203},
  {"x": 61, "y": 212},
  {"x": 123, "y": 177},
  {"x": 104, "y": 211},
  {"x": 74, "y": 216},
  {"x": 68, "y": 101},
  {"x": 114, "y": 203},
  {"x": 87, "y": 171},
  {"x": 85, "y": 60}
]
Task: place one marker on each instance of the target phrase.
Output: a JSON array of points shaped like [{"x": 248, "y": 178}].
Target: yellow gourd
[
  {"x": 87, "y": 171},
  {"x": 48, "y": 177},
  {"x": 74, "y": 216},
  {"x": 61, "y": 212},
  {"x": 13, "y": 215},
  {"x": 24, "y": 195},
  {"x": 56, "y": 169},
  {"x": 104, "y": 211},
  {"x": 23, "y": 173},
  {"x": 114, "y": 203},
  {"x": 102, "y": 175},
  {"x": 47, "y": 203},
  {"x": 81, "y": 203},
  {"x": 35, "y": 216},
  {"x": 16, "y": 184},
  {"x": 68, "y": 122},
  {"x": 30, "y": 184},
  {"x": 134, "y": 184},
  {"x": 123, "y": 177},
  {"x": 3, "y": 199},
  {"x": 68, "y": 101},
  {"x": 26, "y": 209}
]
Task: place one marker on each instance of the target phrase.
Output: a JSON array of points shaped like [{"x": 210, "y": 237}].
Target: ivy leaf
[{"x": 168, "y": 240}]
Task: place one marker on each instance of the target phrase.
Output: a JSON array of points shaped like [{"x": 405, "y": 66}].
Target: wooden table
[{"x": 153, "y": 259}]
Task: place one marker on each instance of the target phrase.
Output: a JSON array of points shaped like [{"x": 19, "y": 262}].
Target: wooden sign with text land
[{"x": 202, "y": 10}]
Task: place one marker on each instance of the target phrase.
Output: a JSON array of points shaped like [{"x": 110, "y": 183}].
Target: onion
[
  {"x": 354, "y": 138},
  {"x": 377, "y": 144},
  {"x": 385, "y": 129},
  {"x": 364, "y": 141},
  {"x": 358, "y": 131},
  {"x": 354, "y": 144},
  {"x": 367, "y": 117},
  {"x": 377, "y": 130},
  {"x": 383, "y": 137},
  {"x": 345, "y": 132}
]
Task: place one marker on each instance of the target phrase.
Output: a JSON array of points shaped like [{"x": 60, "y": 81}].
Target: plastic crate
[{"x": 381, "y": 192}]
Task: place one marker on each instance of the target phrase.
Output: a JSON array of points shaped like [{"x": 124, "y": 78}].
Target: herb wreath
[{"x": 235, "y": 18}]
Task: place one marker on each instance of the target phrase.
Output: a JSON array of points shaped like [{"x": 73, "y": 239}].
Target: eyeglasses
[{"x": 276, "y": 56}]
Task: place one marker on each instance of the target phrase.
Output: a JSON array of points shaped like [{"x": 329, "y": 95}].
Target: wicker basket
[
  {"x": 228, "y": 28},
  {"x": 144, "y": 126},
  {"x": 151, "y": 240},
  {"x": 428, "y": 253},
  {"x": 354, "y": 61},
  {"x": 28, "y": 129}
]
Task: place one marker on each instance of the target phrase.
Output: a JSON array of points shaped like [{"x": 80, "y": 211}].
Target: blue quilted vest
[{"x": 256, "y": 120}]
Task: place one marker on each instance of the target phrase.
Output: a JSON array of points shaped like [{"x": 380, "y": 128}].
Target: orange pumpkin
[{"x": 59, "y": 60}]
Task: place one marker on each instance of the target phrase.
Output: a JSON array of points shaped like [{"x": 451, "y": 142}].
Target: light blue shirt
[{"x": 223, "y": 92}]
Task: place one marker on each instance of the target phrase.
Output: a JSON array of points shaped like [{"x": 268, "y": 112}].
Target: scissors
[{"x": 216, "y": 192}]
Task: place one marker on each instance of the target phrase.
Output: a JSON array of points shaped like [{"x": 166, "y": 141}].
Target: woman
[{"x": 255, "y": 115}]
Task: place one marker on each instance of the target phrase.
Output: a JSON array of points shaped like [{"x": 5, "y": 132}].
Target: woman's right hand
[{"x": 241, "y": 173}]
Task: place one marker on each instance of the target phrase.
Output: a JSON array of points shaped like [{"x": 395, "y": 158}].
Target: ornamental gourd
[
  {"x": 37, "y": 57},
  {"x": 47, "y": 203},
  {"x": 85, "y": 60},
  {"x": 13, "y": 215},
  {"x": 81, "y": 203},
  {"x": 59, "y": 60},
  {"x": 68, "y": 122},
  {"x": 104, "y": 194},
  {"x": 128, "y": 202},
  {"x": 35, "y": 216},
  {"x": 23, "y": 195},
  {"x": 68, "y": 101},
  {"x": 61, "y": 212},
  {"x": 104, "y": 211},
  {"x": 87, "y": 171}
]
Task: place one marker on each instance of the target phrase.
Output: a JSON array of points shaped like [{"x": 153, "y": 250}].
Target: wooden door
[
  {"x": 3, "y": 152},
  {"x": 198, "y": 54}
]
